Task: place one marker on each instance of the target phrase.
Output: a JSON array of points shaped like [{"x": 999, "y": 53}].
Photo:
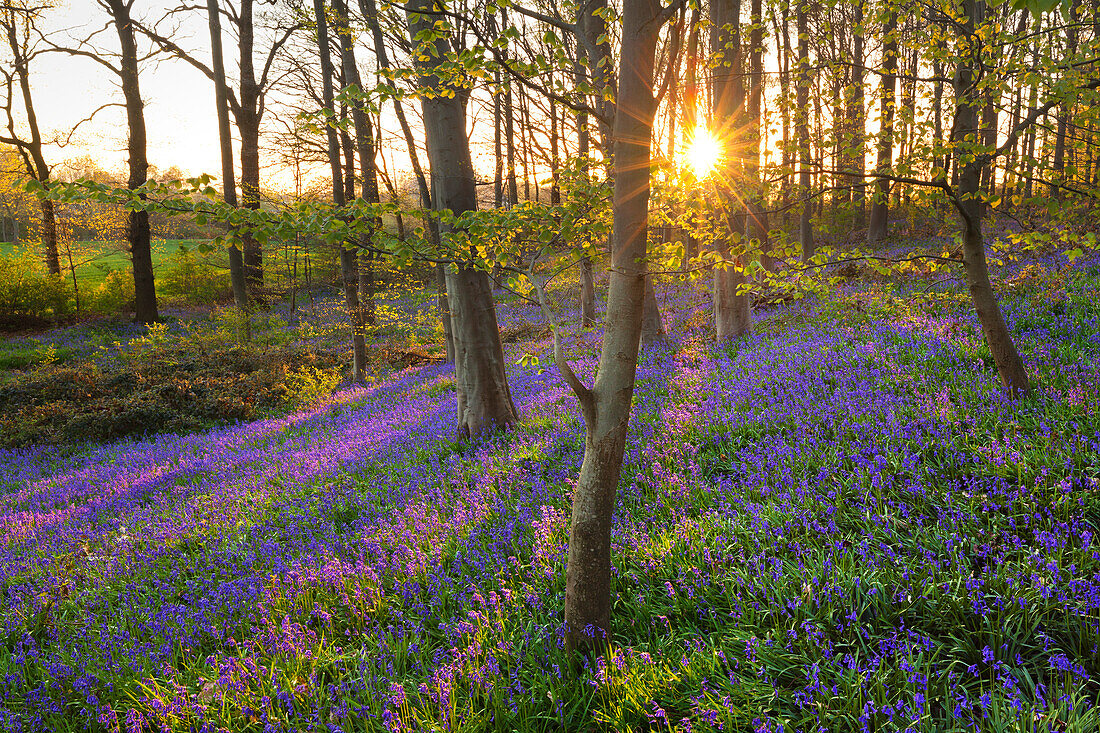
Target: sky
[{"x": 180, "y": 116}]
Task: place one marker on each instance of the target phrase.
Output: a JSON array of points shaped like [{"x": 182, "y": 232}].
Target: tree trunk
[
  {"x": 967, "y": 136},
  {"x": 588, "y": 286},
  {"x": 802, "y": 103},
  {"x": 137, "y": 230},
  {"x": 877, "y": 228},
  {"x": 484, "y": 400},
  {"x": 606, "y": 407},
  {"x": 858, "y": 115},
  {"x": 732, "y": 311},
  {"x": 364, "y": 143},
  {"x": 756, "y": 207},
  {"x": 349, "y": 274},
  {"x": 653, "y": 327},
  {"x": 370, "y": 12},
  {"x": 225, "y": 146},
  {"x": 248, "y": 124}
]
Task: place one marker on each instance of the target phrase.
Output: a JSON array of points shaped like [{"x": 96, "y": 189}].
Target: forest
[{"x": 549, "y": 365}]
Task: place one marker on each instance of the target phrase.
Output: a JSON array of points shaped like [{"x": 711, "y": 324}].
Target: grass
[{"x": 837, "y": 524}]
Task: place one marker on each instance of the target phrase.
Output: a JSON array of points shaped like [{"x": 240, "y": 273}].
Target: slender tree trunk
[
  {"x": 484, "y": 399},
  {"x": 137, "y": 230},
  {"x": 225, "y": 146},
  {"x": 802, "y": 103},
  {"x": 588, "y": 285},
  {"x": 1010, "y": 366},
  {"x": 859, "y": 118},
  {"x": 606, "y": 408},
  {"x": 732, "y": 310},
  {"x": 368, "y": 173},
  {"x": 348, "y": 262},
  {"x": 370, "y": 12},
  {"x": 880, "y": 206},
  {"x": 248, "y": 125},
  {"x": 756, "y": 209}
]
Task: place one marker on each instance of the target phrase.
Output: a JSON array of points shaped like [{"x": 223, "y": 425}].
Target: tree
[
  {"x": 248, "y": 104},
  {"x": 484, "y": 399},
  {"x": 225, "y": 146},
  {"x": 732, "y": 310},
  {"x": 348, "y": 255},
  {"x": 802, "y": 100},
  {"x": 138, "y": 232},
  {"x": 880, "y": 203},
  {"x": 18, "y": 24},
  {"x": 606, "y": 406}
]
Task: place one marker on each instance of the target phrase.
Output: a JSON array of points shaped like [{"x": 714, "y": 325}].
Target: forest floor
[{"x": 837, "y": 523}]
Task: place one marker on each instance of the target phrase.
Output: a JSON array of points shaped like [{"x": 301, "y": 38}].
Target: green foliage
[
  {"x": 193, "y": 278},
  {"x": 24, "y": 291},
  {"x": 114, "y": 295}
]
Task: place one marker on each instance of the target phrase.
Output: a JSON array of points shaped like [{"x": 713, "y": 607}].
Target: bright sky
[{"x": 179, "y": 112}]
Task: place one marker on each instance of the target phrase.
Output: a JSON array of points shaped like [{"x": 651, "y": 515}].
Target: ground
[{"x": 837, "y": 523}]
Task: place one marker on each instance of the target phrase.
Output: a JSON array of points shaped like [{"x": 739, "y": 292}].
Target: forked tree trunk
[
  {"x": 13, "y": 23},
  {"x": 1010, "y": 367},
  {"x": 606, "y": 408},
  {"x": 137, "y": 229},
  {"x": 732, "y": 310},
  {"x": 877, "y": 228},
  {"x": 348, "y": 260},
  {"x": 484, "y": 400}
]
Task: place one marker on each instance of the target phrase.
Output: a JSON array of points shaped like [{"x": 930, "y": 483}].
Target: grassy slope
[
  {"x": 835, "y": 524},
  {"x": 110, "y": 257}
]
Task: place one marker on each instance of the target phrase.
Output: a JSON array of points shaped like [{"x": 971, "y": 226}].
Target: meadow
[{"x": 838, "y": 523}]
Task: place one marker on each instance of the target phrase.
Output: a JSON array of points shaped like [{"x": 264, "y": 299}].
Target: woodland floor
[{"x": 837, "y": 523}]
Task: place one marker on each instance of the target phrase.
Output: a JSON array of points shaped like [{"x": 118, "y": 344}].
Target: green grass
[{"x": 101, "y": 257}]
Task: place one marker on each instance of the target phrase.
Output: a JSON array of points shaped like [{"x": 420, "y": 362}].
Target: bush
[
  {"x": 195, "y": 279},
  {"x": 114, "y": 295},
  {"x": 26, "y": 292},
  {"x": 161, "y": 384}
]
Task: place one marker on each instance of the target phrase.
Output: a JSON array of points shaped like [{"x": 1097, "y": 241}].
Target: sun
[{"x": 703, "y": 153}]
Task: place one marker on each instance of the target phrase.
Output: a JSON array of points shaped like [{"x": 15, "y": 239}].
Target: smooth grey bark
[
  {"x": 877, "y": 227},
  {"x": 370, "y": 12},
  {"x": 732, "y": 310},
  {"x": 968, "y": 202},
  {"x": 484, "y": 400},
  {"x": 137, "y": 226},
  {"x": 606, "y": 407},
  {"x": 348, "y": 260},
  {"x": 225, "y": 146}
]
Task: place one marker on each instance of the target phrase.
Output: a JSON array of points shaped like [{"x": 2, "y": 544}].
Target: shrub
[
  {"x": 114, "y": 295},
  {"x": 26, "y": 292},
  {"x": 194, "y": 279},
  {"x": 161, "y": 384}
]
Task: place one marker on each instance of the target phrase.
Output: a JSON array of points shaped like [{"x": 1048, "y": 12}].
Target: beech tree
[
  {"x": 17, "y": 23},
  {"x": 606, "y": 406},
  {"x": 484, "y": 399},
  {"x": 124, "y": 64}
]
